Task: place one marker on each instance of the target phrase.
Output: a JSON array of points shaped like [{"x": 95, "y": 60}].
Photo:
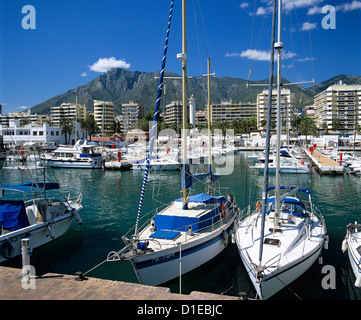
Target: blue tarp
[
  {"x": 25, "y": 187},
  {"x": 291, "y": 205},
  {"x": 204, "y": 198},
  {"x": 164, "y": 234},
  {"x": 180, "y": 223},
  {"x": 13, "y": 215}
]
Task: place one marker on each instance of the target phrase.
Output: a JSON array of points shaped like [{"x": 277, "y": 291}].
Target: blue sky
[{"x": 76, "y": 41}]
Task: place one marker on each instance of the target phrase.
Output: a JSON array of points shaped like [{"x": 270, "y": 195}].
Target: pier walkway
[
  {"x": 53, "y": 286},
  {"x": 324, "y": 164}
]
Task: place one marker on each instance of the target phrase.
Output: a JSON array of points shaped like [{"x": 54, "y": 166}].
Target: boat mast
[
  {"x": 268, "y": 137},
  {"x": 278, "y": 46},
  {"x": 209, "y": 122},
  {"x": 183, "y": 57}
]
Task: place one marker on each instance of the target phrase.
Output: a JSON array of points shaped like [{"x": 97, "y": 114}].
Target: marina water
[{"x": 111, "y": 198}]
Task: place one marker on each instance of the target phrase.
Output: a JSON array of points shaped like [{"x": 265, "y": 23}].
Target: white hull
[
  {"x": 38, "y": 234},
  {"x": 159, "y": 167},
  {"x": 82, "y": 164},
  {"x": 353, "y": 240},
  {"x": 275, "y": 282},
  {"x": 288, "y": 252},
  {"x": 166, "y": 265}
]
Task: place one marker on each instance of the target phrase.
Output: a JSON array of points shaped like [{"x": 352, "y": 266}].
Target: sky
[{"x": 48, "y": 47}]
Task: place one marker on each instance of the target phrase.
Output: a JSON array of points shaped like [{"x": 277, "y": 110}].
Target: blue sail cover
[
  {"x": 177, "y": 223},
  {"x": 25, "y": 187},
  {"x": 13, "y": 215}
]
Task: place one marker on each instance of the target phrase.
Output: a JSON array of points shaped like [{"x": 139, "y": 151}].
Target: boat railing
[{"x": 217, "y": 221}]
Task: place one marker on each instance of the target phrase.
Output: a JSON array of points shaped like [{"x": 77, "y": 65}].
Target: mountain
[{"x": 121, "y": 86}]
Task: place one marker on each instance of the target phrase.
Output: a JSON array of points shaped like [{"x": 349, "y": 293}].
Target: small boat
[
  {"x": 82, "y": 155},
  {"x": 286, "y": 166},
  {"x": 352, "y": 244},
  {"x": 42, "y": 218},
  {"x": 159, "y": 164}
]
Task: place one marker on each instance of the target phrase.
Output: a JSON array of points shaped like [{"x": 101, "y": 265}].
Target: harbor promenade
[{"x": 52, "y": 286}]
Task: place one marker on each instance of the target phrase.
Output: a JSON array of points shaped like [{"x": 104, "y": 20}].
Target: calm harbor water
[{"x": 110, "y": 200}]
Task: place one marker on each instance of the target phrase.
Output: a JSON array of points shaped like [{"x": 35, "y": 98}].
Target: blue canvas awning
[
  {"x": 204, "y": 198},
  {"x": 26, "y": 187}
]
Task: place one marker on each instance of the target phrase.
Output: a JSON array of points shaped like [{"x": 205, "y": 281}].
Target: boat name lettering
[
  {"x": 17, "y": 238},
  {"x": 162, "y": 258}
]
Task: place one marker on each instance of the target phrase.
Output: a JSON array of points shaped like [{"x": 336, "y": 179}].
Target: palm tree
[
  {"x": 336, "y": 123},
  {"x": 90, "y": 125},
  {"x": 66, "y": 125}
]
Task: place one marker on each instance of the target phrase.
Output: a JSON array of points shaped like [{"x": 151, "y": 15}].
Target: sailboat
[
  {"x": 191, "y": 230},
  {"x": 352, "y": 244},
  {"x": 284, "y": 235}
]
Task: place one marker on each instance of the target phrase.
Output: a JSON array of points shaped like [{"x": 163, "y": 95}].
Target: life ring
[
  {"x": 223, "y": 210},
  {"x": 258, "y": 206}
]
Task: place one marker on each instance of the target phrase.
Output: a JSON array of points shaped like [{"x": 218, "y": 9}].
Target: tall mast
[
  {"x": 278, "y": 46},
  {"x": 268, "y": 136},
  {"x": 209, "y": 116},
  {"x": 186, "y": 176}
]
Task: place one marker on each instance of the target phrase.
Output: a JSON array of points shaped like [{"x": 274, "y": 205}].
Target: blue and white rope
[{"x": 155, "y": 119}]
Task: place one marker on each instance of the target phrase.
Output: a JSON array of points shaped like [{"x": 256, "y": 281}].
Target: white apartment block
[
  {"x": 25, "y": 117},
  {"x": 339, "y": 101},
  {"x": 104, "y": 116},
  {"x": 287, "y": 107},
  {"x": 67, "y": 110},
  {"x": 227, "y": 111},
  {"x": 131, "y": 112}
]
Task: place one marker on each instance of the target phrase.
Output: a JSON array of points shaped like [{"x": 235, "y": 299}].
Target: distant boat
[
  {"x": 160, "y": 164},
  {"x": 82, "y": 155},
  {"x": 352, "y": 244},
  {"x": 30, "y": 210}
]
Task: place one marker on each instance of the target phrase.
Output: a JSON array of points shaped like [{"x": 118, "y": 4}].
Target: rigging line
[
  {"x": 155, "y": 119},
  {"x": 252, "y": 28},
  {"x": 204, "y": 30},
  {"x": 196, "y": 26}
]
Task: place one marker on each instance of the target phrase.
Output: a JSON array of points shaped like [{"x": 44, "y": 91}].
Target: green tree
[
  {"x": 336, "y": 123},
  {"x": 66, "y": 125},
  {"x": 325, "y": 128},
  {"x": 89, "y": 125}
]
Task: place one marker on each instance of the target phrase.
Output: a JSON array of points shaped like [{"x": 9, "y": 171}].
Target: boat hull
[
  {"x": 74, "y": 163},
  {"x": 161, "y": 267},
  {"x": 38, "y": 235},
  {"x": 275, "y": 282}
]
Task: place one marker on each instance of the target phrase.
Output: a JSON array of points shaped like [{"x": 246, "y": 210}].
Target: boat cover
[
  {"x": 13, "y": 215},
  {"x": 32, "y": 186}
]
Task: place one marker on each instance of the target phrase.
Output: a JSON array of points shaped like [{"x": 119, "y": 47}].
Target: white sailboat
[
  {"x": 191, "y": 230},
  {"x": 352, "y": 244},
  {"x": 284, "y": 236}
]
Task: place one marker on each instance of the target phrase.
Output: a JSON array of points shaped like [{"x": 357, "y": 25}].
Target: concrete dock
[
  {"x": 53, "y": 286},
  {"x": 323, "y": 164}
]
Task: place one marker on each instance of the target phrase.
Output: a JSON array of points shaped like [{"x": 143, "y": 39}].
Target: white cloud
[
  {"x": 306, "y": 26},
  {"x": 306, "y": 59},
  {"x": 105, "y": 64},
  {"x": 287, "y": 6},
  {"x": 243, "y": 5},
  {"x": 23, "y": 107},
  {"x": 84, "y": 74},
  {"x": 259, "y": 55},
  {"x": 345, "y": 7}
]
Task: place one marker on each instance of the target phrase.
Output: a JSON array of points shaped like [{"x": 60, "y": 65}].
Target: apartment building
[
  {"x": 174, "y": 113},
  {"x": 338, "y": 101},
  {"x": 131, "y": 112},
  {"x": 287, "y": 108},
  {"x": 67, "y": 110},
  {"x": 104, "y": 116},
  {"x": 227, "y": 111},
  {"x": 24, "y": 117}
]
